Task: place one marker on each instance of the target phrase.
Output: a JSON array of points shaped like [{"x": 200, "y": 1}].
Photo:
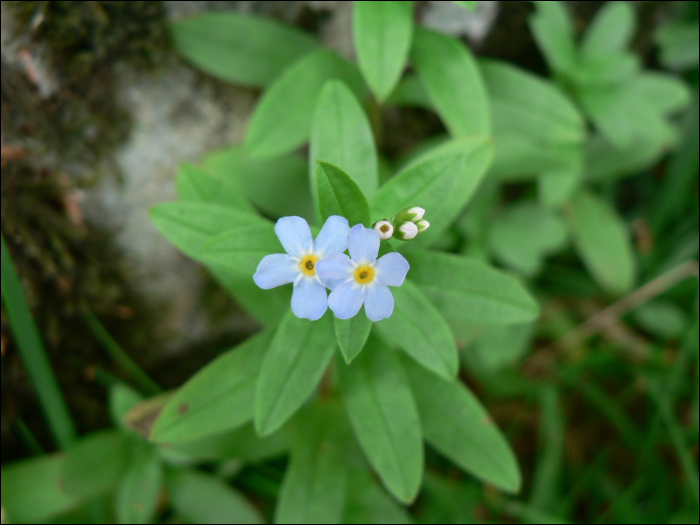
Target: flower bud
[
  {"x": 422, "y": 225},
  {"x": 406, "y": 231},
  {"x": 416, "y": 213},
  {"x": 384, "y": 228}
]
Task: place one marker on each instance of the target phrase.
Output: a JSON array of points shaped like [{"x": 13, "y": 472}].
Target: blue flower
[
  {"x": 298, "y": 265},
  {"x": 363, "y": 279}
]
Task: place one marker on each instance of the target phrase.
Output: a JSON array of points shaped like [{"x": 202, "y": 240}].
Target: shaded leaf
[
  {"x": 554, "y": 33},
  {"x": 339, "y": 195},
  {"x": 457, "y": 425},
  {"x": 352, "y": 335},
  {"x": 200, "y": 185},
  {"x": 453, "y": 81},
  {"x": 282, "y": 119},
  {"x": 417, "y": 327},
  {"x": 611, "y": 30},
  {"x": 298, "y": 356},
  {"x": 383, "y": 415},
  {"x": 602, "y": 240},
  {"x": 382, "y": 34},
  {"x": 466, "y": 289},
  {"x": 240, "y": 48},
  {"x": 217, "y": 398},
  {"x": 139, "y": 490}
]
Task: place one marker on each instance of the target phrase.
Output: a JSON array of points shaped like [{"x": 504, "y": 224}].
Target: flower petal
[
  {"x": 363, "y": 244},
  {"x": 379, "y": 302},
  {"x": 309, "y": 299},
  {"x": 295, "y": 235},
  {"x": 333, "y": 237},
  {"x": 336, "y": 267},
  {"x": 275, "y": 270},
  {"x": 346, "y": 300},
  {"x": 392, "y": 269}
]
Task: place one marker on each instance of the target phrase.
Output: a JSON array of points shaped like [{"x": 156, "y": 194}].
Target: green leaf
[
  {"x": 368, "y": 502},
  {"x": 241, "y": 443},
  {"x": 458, "y": 426},
  {"x": 679, "y": 43},
  {"x": 523, "y": 234},
  {"x": 499, "y": 346},
  {"x": 242, "y": 248},
  {"x": 202, "y": 498},
  {"x": 190, "y": 225},
  {"x": 217, "y": 398},
  {"x": 602, "y": 240},
  {"x": 605, "y": 161},
  {"x": 612, "y": 70},
  {"x": 315, "y": 482},
  {"x": 122, "y": 399},
  {"x": 339, "y": 195},
  {"x": 611, "y": 31},
  {"x": 240, "y": 48},
  {"x": 277, "y": 186},
  {"x": 524, "y": 104},
  {"x": 555, "y": 187},
  {"x": 342, "y": 135},
  {"x": 382, "y": 33},
  {"x": 199, "y": 185},
  {"x": 554, "y": 33},
  {"x": 466, "y": 289},
  {"x": 624, "y": 116},
  {"x": 298, "y": 356},
  {"x": 666, "y": 93},
  {"x": 383, "y": 415},
  {"x": 417, "y": 327},
  {"x": 282, "y": 119},
  {"x": 441, "y": 181},
  {"x": 352, "y": 335},
  {"x": 94, "y": 464},
  {"x": 519, "y": 157},
  {"x": 32, "y": 490},
  {"x": 137, "y": 495},
  {"x": 453, "y": 81}
]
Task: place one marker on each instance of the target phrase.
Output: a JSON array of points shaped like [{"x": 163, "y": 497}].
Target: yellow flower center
[
  {"x": 364, "y": 274},
  {"x": 308, "y": 265}
]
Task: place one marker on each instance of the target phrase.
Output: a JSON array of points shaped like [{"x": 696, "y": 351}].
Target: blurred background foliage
[{"x": 599, "y": 397}]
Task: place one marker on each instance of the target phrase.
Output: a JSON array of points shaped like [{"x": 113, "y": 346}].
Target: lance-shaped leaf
[
  {"x": 382, "y": 34},
  {"x": 315, "y": 482},
  {"x": 602, "y": 241},
  {"x": 442, "y": 181},
  {"x": 108, "y": 449},
  {"x": 242, "y": 248},
  {"x": 383, "y": 414},
  {"x": 240, "y": 48},
  {"x": 554, "y": 33},
  {"x": 203, "y": 498},
  {"x": 138, "y": 493},
  {"x": 453, "y": 81},
  {"x": 342, "y": 135},
  {"x": 417, "y": 327},
  {"x": 610, "y": 32},
  {"x": 467, "y": 289},
  {"x": 339, "y": 195},
  {"x": 352, "y": 335},
  {"x": 298, "y": 356},
  {"x": 32, "y": 490},
  {"x": 458, "y": 426},
  {"x": 217, "y": 398},
  {"x": 200, "y": 185},
  {"x": 282, "y": 119}
]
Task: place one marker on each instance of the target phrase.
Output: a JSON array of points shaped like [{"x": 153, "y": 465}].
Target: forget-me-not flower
[
  {"x": 363, "y": 279},
  {"x": 299, "y": 264}
]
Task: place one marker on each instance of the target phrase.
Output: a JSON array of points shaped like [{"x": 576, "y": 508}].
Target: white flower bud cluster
[{"x": 404, "y": 226}]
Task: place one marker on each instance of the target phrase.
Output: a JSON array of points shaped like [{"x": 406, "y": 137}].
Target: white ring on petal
[
  {"x": 275, "y": 270},
  {"x": 335, "y": 267},
  {"x": 363, "y": 244},
  {"x": 309, "y": 299}
]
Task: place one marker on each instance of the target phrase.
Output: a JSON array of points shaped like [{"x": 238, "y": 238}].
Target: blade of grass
[
  {"x": 27, "y": 438},
  {"x": 33, "y": 353},
  {"x": 120, "y": 357}
]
